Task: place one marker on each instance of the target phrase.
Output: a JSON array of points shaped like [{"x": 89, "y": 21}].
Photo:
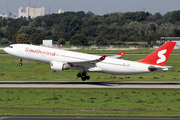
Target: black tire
[
  {"x": 87, "y": 77},
  {"x": 79, "y": 75},
  {"x": 83, "y": 78},
  {"x": 20, "y": 64}
]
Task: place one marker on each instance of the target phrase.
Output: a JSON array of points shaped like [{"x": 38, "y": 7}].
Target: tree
[
  {"x": 81, "y": 13},
  {"x": 175, "y": 17},
  {"x": 108, "y": 36},
  {"x": 37, "y": 38},
  {"x": 6, "y": 31},
  {"x": 22, "y": 38},
  {"x": 153, "y": 27},
  {"x": 25, "y": 29},
  {"x": 61, "y": 41},
  {"x": 79, "y": 39},
  {"x": 176, "y": 33},
  {"x": 1, "y": 33},
  {"x": 29, "y": 17},
  {"x": 4, "y": 41},
  {"x": 13, "y": 40},
  {"x": 135, "y": 16},
  {"x": 101, "y": 41},
  {"x": 158, "y": 16}
]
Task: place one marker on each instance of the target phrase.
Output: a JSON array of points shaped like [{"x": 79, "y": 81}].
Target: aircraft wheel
[
  {"x": 87, "y": 77},
  {"x": 20, "y": 64},
  {"x": 83, "y": 78},
  {"x": 79, "y": 75}
]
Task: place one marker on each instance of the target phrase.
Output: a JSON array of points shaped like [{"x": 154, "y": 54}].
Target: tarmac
[{"x": 86, "y": 84}]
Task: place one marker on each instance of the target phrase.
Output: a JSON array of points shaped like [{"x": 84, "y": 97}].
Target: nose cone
[{"x": 6, "y": 49}]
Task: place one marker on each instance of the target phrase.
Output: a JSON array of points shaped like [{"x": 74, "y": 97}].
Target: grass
[
  {"x": 2, "y": 51},
  {"x": 32, "y": 71},
  {"x": 90, "y": 102}
]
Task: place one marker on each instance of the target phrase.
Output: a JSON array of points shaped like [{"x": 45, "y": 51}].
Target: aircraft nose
[{"x": 6, "y": 49}]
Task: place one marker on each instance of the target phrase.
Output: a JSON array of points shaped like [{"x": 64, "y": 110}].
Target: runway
[{"x": 86, "y": 84}]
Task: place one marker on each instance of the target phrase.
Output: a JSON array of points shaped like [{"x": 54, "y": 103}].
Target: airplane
[{"x": 60, "y": 60}]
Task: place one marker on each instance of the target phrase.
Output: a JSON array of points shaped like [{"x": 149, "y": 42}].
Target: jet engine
[{"x": 59, "y": 66}]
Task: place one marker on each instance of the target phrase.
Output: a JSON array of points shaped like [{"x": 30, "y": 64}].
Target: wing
[
  {"x": 118, "y": 55},
  {"x": 87, "y": 64}
]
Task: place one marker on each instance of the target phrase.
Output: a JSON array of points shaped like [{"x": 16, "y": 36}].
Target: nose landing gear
[
  {"x": 83, "y": 75},
  {"x": 20, "y": 60}
]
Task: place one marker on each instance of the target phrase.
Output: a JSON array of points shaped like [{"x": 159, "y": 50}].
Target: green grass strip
[{"x": 130, "y": 102}]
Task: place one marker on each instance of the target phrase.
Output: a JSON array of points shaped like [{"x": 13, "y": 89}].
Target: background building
[
  {"x": 9, "y": 15},
  {"x": 60, "y": 11},
  {"x": 32, "y": 12},
  {"x": 173, "y": 39},
  {"x": 47, "y": 43}
]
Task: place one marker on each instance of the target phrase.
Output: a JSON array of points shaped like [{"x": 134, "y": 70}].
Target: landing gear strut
[
  {"x": 83, "y": 75},
  {"x": 20, "y": 60}
]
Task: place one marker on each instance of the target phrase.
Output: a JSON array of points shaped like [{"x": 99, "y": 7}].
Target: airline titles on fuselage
[{"x": 40, "y": 51}]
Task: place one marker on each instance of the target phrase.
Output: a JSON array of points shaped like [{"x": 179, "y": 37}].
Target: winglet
[
  {"x": 118, "y": 55},
  {"x": 121, "y": 53},
  {"x": 103, "y": 57}
]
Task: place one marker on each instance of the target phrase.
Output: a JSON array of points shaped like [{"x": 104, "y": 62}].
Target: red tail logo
[{"x": 159, "y": 56}]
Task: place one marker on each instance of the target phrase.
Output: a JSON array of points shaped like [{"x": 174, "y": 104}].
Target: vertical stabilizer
[{"x": 159, "y": 56}]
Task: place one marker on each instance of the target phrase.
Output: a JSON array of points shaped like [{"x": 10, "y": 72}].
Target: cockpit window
[{"x": 10, "y": 46}]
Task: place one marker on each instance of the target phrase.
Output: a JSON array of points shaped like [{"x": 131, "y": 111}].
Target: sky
[{"x": 98, "y": 7}]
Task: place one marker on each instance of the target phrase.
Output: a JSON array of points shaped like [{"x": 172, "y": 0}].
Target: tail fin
[{"x": 159, "y": 56}]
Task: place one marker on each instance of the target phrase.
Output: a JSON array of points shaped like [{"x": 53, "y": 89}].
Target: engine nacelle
[{"x": 59, "y": 66}]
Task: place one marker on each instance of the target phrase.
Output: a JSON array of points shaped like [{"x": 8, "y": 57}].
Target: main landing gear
[
  {"x": 83, "y": 75},
  {"x": 20, "y": 60}
]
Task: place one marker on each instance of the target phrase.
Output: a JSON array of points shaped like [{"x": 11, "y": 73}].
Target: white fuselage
[{"x": 47, "y": 55}]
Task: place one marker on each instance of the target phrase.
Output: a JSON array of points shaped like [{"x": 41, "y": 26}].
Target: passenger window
[{"x": 10, "y": 46}]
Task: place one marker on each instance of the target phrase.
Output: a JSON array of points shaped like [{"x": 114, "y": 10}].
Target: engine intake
[{"x": 59, "y": 66}]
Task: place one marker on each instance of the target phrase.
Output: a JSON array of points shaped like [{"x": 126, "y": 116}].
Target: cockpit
[{"x": 10, "y": 46}]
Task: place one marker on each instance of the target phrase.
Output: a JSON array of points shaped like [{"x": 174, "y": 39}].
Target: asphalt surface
[{"x": 86, "y": 84}]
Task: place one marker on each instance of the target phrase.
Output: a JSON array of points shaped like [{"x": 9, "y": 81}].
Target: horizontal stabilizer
[{"x": 157, "y": 68}]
